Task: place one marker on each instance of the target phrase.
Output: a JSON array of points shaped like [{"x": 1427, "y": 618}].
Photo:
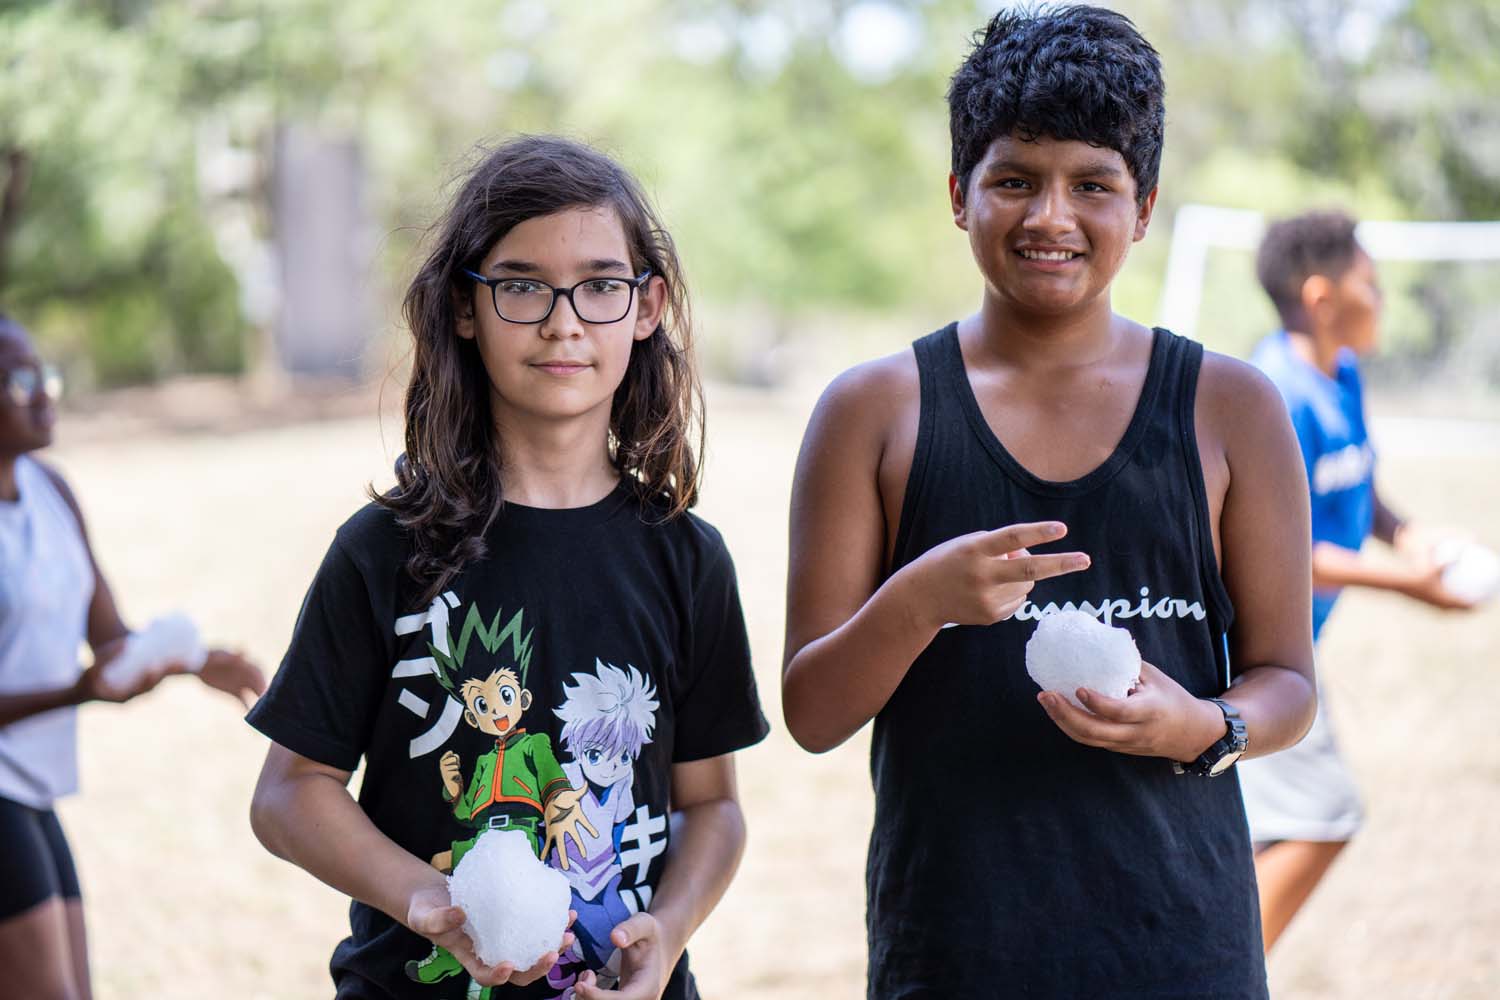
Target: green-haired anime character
[{"x": 517, "y": 785}]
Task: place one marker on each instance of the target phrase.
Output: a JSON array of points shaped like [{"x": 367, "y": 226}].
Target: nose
[
  {"x": 563, "y": 323},
  {"x": 1049, "y": 214}
]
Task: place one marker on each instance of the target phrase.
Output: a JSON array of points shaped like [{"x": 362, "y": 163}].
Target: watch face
[{"x": 1224, "y": 763}]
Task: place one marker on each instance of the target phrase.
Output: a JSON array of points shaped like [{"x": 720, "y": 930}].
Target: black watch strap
[{"x": 1210, "y": 763}]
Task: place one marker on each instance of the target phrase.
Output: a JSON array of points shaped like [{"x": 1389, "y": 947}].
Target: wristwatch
[{"x": 1227, "y": 749}]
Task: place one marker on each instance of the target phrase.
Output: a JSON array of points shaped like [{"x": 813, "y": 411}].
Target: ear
[
  {"x": 525, "y": 699},
  {"x": 1143, "y": 214},
  {"x": 956, "y": 198},
  {"x": 1317, "y": 296},
  {"x": 471, "y": 719},
  {"x": 463, "y": 313},
  {"x": 651, "y": 305}
]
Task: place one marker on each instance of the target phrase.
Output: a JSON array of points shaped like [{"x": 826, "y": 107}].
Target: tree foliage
[{"x": 798, "y": 147}]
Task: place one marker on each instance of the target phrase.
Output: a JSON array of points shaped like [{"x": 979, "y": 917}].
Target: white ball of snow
[
  {"x": 516, "y": 907},
  {"x": 170, "y": 637},
  {"x": 1471, "y": 572},
  {"x": 1071, "y": 649}
]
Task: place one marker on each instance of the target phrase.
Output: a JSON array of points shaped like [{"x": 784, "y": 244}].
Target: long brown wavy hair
[{"x": 450, "y": 484}]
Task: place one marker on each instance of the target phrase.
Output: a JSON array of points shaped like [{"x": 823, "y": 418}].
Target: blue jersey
[{"x": 1328, "y": 415}]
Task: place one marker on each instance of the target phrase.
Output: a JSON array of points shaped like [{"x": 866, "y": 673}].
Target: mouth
[
  {"x": 1058, "y": 256},
  {"x": 502, "y": 724},
  {"x": 563, "y": 368}
]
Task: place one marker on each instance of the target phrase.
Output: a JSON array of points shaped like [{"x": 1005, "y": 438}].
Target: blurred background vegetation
[{"x": 797, "y": 148}]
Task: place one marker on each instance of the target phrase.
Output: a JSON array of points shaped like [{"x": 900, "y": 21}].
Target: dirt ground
[{"x": 183, "y": 903}]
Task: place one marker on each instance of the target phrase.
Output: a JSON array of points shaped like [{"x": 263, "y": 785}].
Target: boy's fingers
[
  {"x": 1114, "y": 709},
  {"x": 1080, "y": 726},
  {"x": 1031, "y": 568},
  {"x": 1019, "y": 536}
]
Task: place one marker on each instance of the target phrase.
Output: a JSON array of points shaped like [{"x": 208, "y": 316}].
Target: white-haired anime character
[{"x": 607, "y": 718}]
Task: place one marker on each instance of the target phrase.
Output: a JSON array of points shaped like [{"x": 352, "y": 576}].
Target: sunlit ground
[{"x": 183, "y": 903}]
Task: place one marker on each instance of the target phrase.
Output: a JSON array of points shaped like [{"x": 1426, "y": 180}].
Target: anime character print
[
  {"x": 607, "y": 716},
  {"x": 518, "y": 783}
]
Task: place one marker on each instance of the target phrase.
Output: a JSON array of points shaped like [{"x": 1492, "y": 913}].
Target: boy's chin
[{"x": 1050, "y": 302}]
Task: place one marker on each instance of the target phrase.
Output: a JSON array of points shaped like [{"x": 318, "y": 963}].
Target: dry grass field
[{"x": 183, "y": 903}]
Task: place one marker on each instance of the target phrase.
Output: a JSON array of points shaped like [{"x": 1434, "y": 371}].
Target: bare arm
[
  {"x": 225, "y": 670},
  {"x": 708, "y": 838},
  {"x": 1266, "y": 564},
  {"x": 850, "y": 638},
  {"x": 106, "y": 635},
  {"x": 1419, "y": 576},
  {"x": 302, "y": 812}
]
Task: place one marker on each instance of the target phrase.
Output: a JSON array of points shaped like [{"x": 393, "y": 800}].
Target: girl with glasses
[
  {"x": 529, "y": 633},
  {"x": 52, "y": 598}
]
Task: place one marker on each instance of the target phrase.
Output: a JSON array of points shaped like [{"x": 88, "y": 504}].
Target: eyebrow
[
  {"x": 529, "y": 267},
  {"x": 1092, "y": 168}
]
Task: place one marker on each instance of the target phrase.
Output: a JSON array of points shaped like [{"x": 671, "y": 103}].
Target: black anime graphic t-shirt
[{"x": 548, "y": 689}]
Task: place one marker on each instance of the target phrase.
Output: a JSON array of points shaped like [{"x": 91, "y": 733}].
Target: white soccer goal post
[{"x": 1198, "y": 229}]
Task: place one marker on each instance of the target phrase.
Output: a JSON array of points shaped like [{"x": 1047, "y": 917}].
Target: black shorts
[{"x": 35, "y": 864}]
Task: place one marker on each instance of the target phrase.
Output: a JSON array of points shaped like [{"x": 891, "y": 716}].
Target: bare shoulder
[
  {"x": 870, "y": 394},
  {"x": 1237, "y": 404}
]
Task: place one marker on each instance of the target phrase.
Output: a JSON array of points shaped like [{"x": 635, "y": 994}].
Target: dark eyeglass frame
[
  {"x": 494, "y": 284},
  {"x": 45, "y": 379}
]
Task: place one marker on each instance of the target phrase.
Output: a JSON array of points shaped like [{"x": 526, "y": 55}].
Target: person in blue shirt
[{"x": 1302, "y": 803}]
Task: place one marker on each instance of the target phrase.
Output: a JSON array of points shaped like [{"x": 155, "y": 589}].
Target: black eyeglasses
[
  {"x": 594, "y": 300},
  {"x": 22, "y": 384}
]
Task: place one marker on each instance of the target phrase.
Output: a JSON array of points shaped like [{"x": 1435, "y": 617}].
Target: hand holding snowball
[
  {"x": 985, "y": 576},
  {"x": 100, "y": 683},
  {"x": 1157, "y": 719},
  {"x": 431, "y": 913},
  {"x": 645, "y": 967}
]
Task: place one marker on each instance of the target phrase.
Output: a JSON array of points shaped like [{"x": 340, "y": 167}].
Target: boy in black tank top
[{"x": 1022, "y": 846}]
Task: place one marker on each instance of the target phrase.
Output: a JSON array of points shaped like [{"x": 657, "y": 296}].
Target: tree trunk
[{"x": 17, "y": 170}]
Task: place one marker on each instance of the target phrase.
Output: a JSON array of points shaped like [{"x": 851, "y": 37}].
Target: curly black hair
[
  {"x": 1067, "y": 72},
  {"x": 1293, "y": 250}
]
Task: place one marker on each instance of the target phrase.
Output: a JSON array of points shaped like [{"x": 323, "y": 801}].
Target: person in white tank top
[{"x": 52, "y": 598}]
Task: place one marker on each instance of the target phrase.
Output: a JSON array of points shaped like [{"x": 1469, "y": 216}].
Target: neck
[
  {"x": 1320, "y": 352},
  {"x": 1023, "y": 338},
  {"x": 555, "y": 464},
  {"x": 8, "y": 490}
]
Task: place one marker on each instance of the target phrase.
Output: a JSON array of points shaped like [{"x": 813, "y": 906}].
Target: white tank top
[{"x": 46, "y": 584}]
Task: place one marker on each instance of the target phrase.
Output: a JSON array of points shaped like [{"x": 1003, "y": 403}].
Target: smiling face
[
  {"x": 25, "y": 426},
  {"x": 603, "y": 765},
  {"x": 1050, "y": 222},
  {"x": 560, "y": 368},
  {"x": 495, "y": 705}
]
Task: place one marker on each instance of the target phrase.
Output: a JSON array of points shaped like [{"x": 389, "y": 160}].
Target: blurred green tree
[{"x": 798, "y": 147}]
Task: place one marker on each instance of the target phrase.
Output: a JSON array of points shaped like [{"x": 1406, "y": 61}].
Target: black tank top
[{"x": 1006, "y": 859}]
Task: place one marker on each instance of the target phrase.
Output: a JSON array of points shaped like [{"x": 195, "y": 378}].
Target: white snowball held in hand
[
  {"x": 170, "y": 637},
  {"x": 516, "y": 908},
  {"x": 1071, "y": 650},
  {"x": 1471, "y": 572}
]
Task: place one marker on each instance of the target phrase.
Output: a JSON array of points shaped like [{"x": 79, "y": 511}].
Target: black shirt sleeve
[
  {"x": 719, "y": 710},
  {"x": 323, "y": 700}
]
